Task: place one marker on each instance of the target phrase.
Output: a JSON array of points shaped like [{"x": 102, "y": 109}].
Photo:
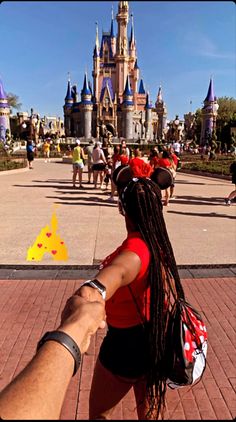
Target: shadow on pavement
[{"x": 196, "y": 214}]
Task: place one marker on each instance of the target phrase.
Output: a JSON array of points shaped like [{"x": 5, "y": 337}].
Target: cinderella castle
[{"x": 118, "y": 101}]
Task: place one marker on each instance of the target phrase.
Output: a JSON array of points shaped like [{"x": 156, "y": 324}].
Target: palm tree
[{"x": 13, "y": 101}]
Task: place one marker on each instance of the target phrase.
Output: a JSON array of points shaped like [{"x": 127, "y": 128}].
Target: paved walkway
[
  {"x": 201, "y": 228},
  {"x": 32, "y": 296}
]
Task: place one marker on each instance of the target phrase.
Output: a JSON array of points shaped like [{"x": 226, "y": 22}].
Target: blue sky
[{"x": 180, "y": 44}]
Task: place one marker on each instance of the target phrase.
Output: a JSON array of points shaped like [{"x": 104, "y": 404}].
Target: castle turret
[
  {"x": 209, "y": 114},
  {"x": 127, "y": 111},
  {"x": 4, "y": 114},
  {"x": 122, "y": 53},
  {"x": 132, "y": 44},
  {"x": 67, "y": 109},
  {"x": 112, "y": 35},
  {"x": 96, "y": 66},
  {"x": 148, "y": 118},
  {"x": 161, "y": 113},
  {"x": 86, "y": 107}
]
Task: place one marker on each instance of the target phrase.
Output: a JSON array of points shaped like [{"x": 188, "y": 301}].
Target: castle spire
[
  {"x": 86, "y": 90},
  {"x": 159, "y": 95},
  {"x": 68, "y": 97},
  {"x": 112, "y": 33},
  {"x": 148, "y": 104},
  {"x": 3, "y": 95},
  {"x": 132, "y": 40},
  {"x": 141, "y": 87},
  {"x": 96, "y": 48},
  {"x": 210, "y": 94},
  {"x": 128, "y": 90}
]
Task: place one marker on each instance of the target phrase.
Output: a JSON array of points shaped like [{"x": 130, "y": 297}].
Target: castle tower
[
  {"x": 209, "y": 114},
  {"x": 112, "y": 35},
  {"x": 67, "y": 109},
  {"x": 148, "y": 118},
  {"x": 127, "y": 111},
  {"x": 96, "y": 66},
  {"x": 4, "y": 114},
  {"x": 132, "y": 44},
  {"x": 86, "y": 108},
  {"x": 122, "y": 52},
  {"x": 161, "y": 113}
]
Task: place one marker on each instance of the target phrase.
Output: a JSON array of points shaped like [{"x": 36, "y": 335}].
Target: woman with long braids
[{"x": 140, "y": 283}]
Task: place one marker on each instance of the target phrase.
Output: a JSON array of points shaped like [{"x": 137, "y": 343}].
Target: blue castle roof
[
  {"x": 106, "y": 38},
  {"x": 148, "y": 104},
  {"x": 85, "y": 90},
  {"x": 210, "y": 94},
  {"x": 107, "y": 82},
  {"x": 3, "y": 95},
  {"x": 68, "y": 94},
  {"x": 141, "y": 88},
  {"x": 128, "y": 91},
  {"x": 112, "y": 33}
]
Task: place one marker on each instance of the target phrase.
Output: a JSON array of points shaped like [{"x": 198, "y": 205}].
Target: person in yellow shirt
[
  {"x": 78, "y": 163},
  {"x": 46, "y": 150}
]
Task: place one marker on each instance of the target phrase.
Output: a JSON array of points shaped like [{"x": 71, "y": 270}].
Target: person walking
[
  {"x": 89, "y": 152},
  {"x": 78, "y": 164},
  {"x": 99, "y": 164},
  {"x": 46, "y": 150},
  {"x": 232, "y": 194},
  {"x": 30, "y": 152},
  {"x": 140, "y": 283}
]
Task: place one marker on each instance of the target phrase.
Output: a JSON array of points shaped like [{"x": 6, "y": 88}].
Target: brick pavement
[{"x": 28, "y": 308}]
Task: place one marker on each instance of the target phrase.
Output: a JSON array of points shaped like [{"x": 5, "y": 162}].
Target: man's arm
[{"x": 38, "y": 391}]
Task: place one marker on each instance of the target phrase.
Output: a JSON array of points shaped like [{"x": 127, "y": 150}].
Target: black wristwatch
[
  {"x": 96, "y": 285},
  {"x": 66, "y": 341}
]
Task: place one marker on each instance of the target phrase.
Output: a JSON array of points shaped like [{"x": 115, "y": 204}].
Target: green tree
[
  {"x": 226, "y": 118},
  {"x": 13, "y": 101},
  {"x": 197, "y": 125}
]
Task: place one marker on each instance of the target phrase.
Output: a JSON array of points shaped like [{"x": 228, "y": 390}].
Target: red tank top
[{"x": 121, "y": 309}]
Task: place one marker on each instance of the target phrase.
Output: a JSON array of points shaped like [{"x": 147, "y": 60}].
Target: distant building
[
  {"x": 4, "y": 114},
  {"x": 209, "y": 115},
  {"x": 118, "y": 101},
  {"x": 24, "y": 125}
]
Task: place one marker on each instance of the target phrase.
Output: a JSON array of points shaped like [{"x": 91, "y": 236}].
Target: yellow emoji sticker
[{"x": 48, "y": 241}]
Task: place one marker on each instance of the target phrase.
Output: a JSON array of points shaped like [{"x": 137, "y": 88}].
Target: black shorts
[
  {"x": 124, "y": 351},
  {"x": 30, "y": 156},
  {"x": 99, "y": 166}
]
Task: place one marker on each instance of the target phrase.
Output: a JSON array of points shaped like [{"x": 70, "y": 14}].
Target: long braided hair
[{"x": 141, "y": 201}]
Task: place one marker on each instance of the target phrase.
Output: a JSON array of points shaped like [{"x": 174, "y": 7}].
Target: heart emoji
[
  {"x": 48, "y": 234},
  {"x": 54, "y": 252},
  {"x": 39, "y": 245},
  {"x": 62, "y": 243}
]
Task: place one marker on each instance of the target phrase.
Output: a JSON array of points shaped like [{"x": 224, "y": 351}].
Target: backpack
[{"x": 186, "y": 346}]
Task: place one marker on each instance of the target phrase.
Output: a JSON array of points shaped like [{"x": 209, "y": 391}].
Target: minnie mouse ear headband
[
  {"x": 163, "y": 177},
  {"x": 124, "y": 174}
]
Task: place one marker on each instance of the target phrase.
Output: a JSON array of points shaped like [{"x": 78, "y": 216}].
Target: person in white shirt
[{"x": 99, "y": 164}]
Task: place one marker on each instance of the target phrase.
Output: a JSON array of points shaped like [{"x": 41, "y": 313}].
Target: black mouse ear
[
  {"x": 122, "y": 175},
  {"x": 163, "y": 177}
]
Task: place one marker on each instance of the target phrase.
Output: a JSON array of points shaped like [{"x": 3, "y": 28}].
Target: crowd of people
[{"x": 102, "y": 164}]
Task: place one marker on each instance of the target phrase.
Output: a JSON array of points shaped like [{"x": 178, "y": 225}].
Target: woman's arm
[{"x": 122, "y": 271}]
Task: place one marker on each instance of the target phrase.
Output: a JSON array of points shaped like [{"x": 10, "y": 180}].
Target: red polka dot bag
[{"x": 186, "y": 346}]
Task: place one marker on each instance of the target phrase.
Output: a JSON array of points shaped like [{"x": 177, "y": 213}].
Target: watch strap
[
  {"x": 96, "y": 284},
  {"x": 66, "y": 341}
]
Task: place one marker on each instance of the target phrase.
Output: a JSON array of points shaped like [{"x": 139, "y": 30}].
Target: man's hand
[
  {"x": 90, "y": 294},
  {"x": 81, "y": 319}
]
